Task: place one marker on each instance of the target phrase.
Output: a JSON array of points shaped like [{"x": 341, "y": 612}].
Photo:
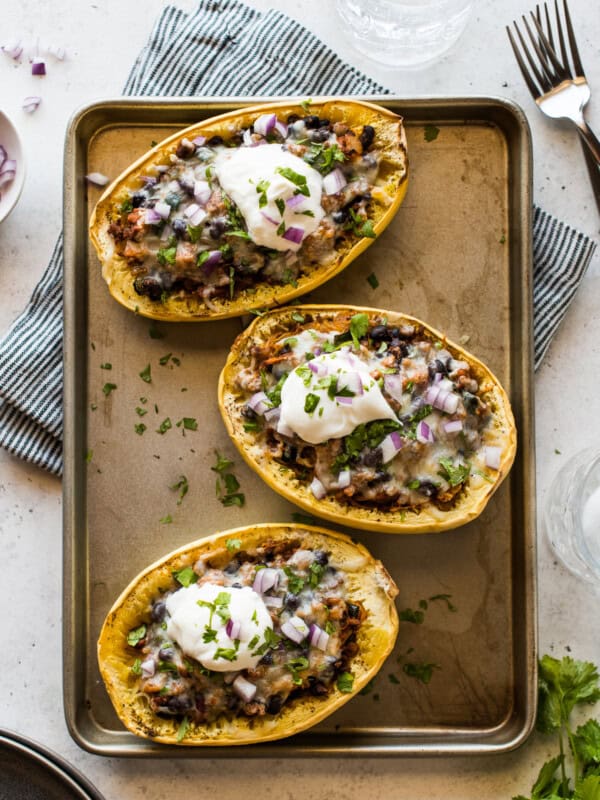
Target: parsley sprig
[{"x": 227, "y": 484}]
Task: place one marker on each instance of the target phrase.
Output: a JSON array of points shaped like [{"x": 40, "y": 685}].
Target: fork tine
[
  {"x": 535, "y": 90},
  {"x": 546, "y": 78},
  {"x": 559, "y": 71},
  {"x": 548, "y": 25},
  {"x": 561, "y": 38},
  {"x": 574, "y": 51}
]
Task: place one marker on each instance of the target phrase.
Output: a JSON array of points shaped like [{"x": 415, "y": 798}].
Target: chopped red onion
[
  {"x": 56, "y": 51},
  {"x": 344, "y": 478},
  {"x": 294, "y": 234},
  {"x": 451, "y": 403},
  {"x": 272, "y": 414},
  {"x": 195, "y": 214},
  {"x": 266, "y": 579},
  {"x": 424, "y": 433},
  {"x": 318, "y": 489},
  {"x": 152, "y": 217},
  {"x": 334, "y": 182},
  {"x": 31, "y": 103},
  {"x": 295, "y": 629},
  {"x": 351, "y": 381},
  {"x": 3, "y": 155},
  {"x": 164, "y": 209},
  {"x": 492, "y": 457},
  {"x": 345, "y": 401},
  {"x": 202, "y": 192},
  {"x": 265, "y": 124},
  {"x": 259, "y": 403},
  {"x": 244, "y": 688},
  {"x": 269, "y": 218},
  {"x": 441, "y": 399},
  {"x": 294, "y": 201},
  {"x": 8, "y": 165},
  {"x": 167, "y": 232},
  {"x": 318, "y": 637},
  {"x": 147, "y": 180},
  {"x": 390, "y": 446},
  {"x": 393, "y": 386},
  {"x": 199, "y": 141},
  {"x": 281, "y": 128},
  {"x": 438, "y": 377},
  {"x": 148, "y": 667},
  {"x": 319, "y": 368},
  {"x": 233, "y": 629},
  {"x": 38, "y": 67},
  {"x": 214, "y": 257},
  {"x": 13, "y": 49},
  {"x": 454, "y": 426},
  {"x": 97, "y": 178},
  {"x": 446, "y": 384},
  {"x": 317, "y": 351}
]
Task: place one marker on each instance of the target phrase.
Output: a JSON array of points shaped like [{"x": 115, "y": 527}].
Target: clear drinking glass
[
  {"x": 404, "y": 33},
  {"x": 572, "y": 515}
]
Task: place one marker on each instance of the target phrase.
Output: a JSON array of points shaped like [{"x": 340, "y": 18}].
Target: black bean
[
  {"x": 311, "y": 121},
  {"x": 471, "y": 402},
  {"x": 367, "y": 136},
  {"x": 185, "y": 149},
  {"x": 159, "y": 609},
  {"x": 232, "y": 567},
  {"x": 321, "y": 558},
  {"x": 317, "y": 688},
  {"x": 289, "y": 453},
  {"x": 353, "y": 610},
  {"x": 267, "y": 659},
  {"x": 249, "y": 413},
  {"x": 149, "y": 287},
  {"x": 428, "y": 488},
  {"x": 274, "y": 704},
  {"x": 291, "y": 601},
  {"x": 237, "y": 585},
  {"x": 216, "y": 229},
  {"x": 214, "y": 140},
  {"x": 166, "y": 654},
  {"x": 179, "y": 227},
  {"x": 319, "y": 135},
  {"x": 380, "y": 333},
  {"x": 373, "y": 458},
  {"x": 340, "y": 216},
  {"x": 138, "y": 199},
  {"x": 293, "y": 118}
]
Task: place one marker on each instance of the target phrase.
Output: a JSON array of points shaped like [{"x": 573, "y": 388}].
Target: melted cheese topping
[
  {"x": 200, "y": 613},
  {"x": 309, "y": 410},
  {"x": 250, "y": 176}
]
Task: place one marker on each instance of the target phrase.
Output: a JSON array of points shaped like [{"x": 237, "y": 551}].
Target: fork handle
[{"x": 590, "y": 140}]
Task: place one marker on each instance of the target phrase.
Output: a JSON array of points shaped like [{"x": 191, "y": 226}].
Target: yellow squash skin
[
  {"x": 392, "y": 182},
  {"x": 428, "y": 518},
  {"x": 366, "y": 581}
]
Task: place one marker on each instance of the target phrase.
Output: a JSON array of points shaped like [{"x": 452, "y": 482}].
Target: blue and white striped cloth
[{"x": 226, "y": 48}]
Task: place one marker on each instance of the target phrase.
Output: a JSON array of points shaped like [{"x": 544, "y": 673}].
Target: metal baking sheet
[{"x": 458, "y": 255}]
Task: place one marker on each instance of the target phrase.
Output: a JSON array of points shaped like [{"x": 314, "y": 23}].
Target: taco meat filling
[
  {"x": 246, "y": 638},
  {"x": 266, "y": 204},
  {"x": 375, "y": 414}
]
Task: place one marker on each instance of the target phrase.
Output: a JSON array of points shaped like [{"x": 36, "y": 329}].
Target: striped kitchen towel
[{"x": 226, "y": 48}]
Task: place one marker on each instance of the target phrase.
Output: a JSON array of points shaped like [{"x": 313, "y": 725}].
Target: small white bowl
[{"x": 9, "y": 139}]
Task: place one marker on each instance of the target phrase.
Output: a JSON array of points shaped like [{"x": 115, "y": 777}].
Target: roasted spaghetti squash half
[
  {"x": 247, "y": 636},
  {"x": 250, "y": 209},
  {"x": 367, "y": 418}
]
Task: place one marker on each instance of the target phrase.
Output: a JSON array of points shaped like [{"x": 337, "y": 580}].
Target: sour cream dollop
[
  {"x": 331, "y": 418},
  {"x": 190, "y": 624},
  {"x": 248, "y": 174}
]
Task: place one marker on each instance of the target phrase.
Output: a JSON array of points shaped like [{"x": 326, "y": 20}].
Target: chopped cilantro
[
  {"x": 280, "y": 203},
  {"x": 141, "y": 411},
  {"x": 185, "y": 576},
  {"x": 139, "y": 428},
  {"x": 183, "y": 487},
  {"x": 88, "y": 456},
  {"x": 146, "y": 374},
  {"x": 316, "y": 573},
  {"x": 311, "y": 401},
  {"x": 107, "y": 365},
  {"x": 455, "y": 474},
  {"x": 274, "y": 394},
  {"x": 368, "y": 688},
  {"x": 295, "y": 666},
  {"x": 167, "y": 255},
  {"x": 372, "y": 281},
  {"x": 253, "y": 642},
  {"x": 324, "y": 157},
  {"x": 126, "y": 206},
  {"x": 431, "y": 133},
  {"x": 188, "y": 424},
  {"x": 163, "y": 360},
  {"x": 422, "y": 672},
  {"x": 392, "y": 678},
  {"x": 345, "y": 682},
  {"x": 306, "y": 105},
  {"x": 329, "y": 627},
  {"x": 414, "y": 484},
  {"x": 289, "y": 277},
  {"x": 238, "y": 499},
  {"x": 136, "y": 635},
  {"x": 164, "y": 426},
  {"x": 166, "y": 520},
  {"x": 136, "y": 667},
  {"x": 298, "y": 317},
  {"x": 296, "y": 178},
  {"x": 227, "y": 653},
  {"x": 223, "y": 463},
  {"x": 233, "y": 545},
  {"x": 183, "y": 729},
  {"x": 209, "y": 635},
  {"x": 359, "y": 325},
  {"x": 444, "y": 598},
  {"x": 108, "y": 388},
  {"x": 295, "y": 582},
  {"x": 410, "y": 615}
]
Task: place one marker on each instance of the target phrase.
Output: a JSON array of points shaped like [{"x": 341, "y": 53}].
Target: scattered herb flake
[
  {"x": 431, "y": 133},
  {"x": 136, "y": 635},
  {"x": 164, "y": 426},
  {"x": 185, "y": 576},
  {"x": 183, "y": 729},
  {"x": 412, "y": 615},
  {"x": 233, "y": 545},
  {"x": 392, "y": 678},
  {"x": 182, "y": 486},
  {"x": 372, "y": 281},
  {"x": 88, "y": 456},
  {"x": 139, "y": 428},
  {"x": 164, "y": 360},
  {"x": 146, "y": 374},
  {"x": 154, "y": 332},
  {"x": 345, "y": 682},
  {"x": 421, "y": 672},
  {"x": 108, "y": 388},
  {"x": 106, "y": 365},
  {"x": 166, "y": 520}
]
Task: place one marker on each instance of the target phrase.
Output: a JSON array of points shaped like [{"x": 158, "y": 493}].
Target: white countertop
[{"x": 102, "y": 39}]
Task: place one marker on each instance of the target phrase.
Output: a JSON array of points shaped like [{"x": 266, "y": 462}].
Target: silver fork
[{"x": 560, "y": 91}]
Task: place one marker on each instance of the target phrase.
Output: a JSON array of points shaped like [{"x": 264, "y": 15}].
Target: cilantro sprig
[
  {"x": 563, "y": 685},
  {"x": 227, "y": 484}
]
